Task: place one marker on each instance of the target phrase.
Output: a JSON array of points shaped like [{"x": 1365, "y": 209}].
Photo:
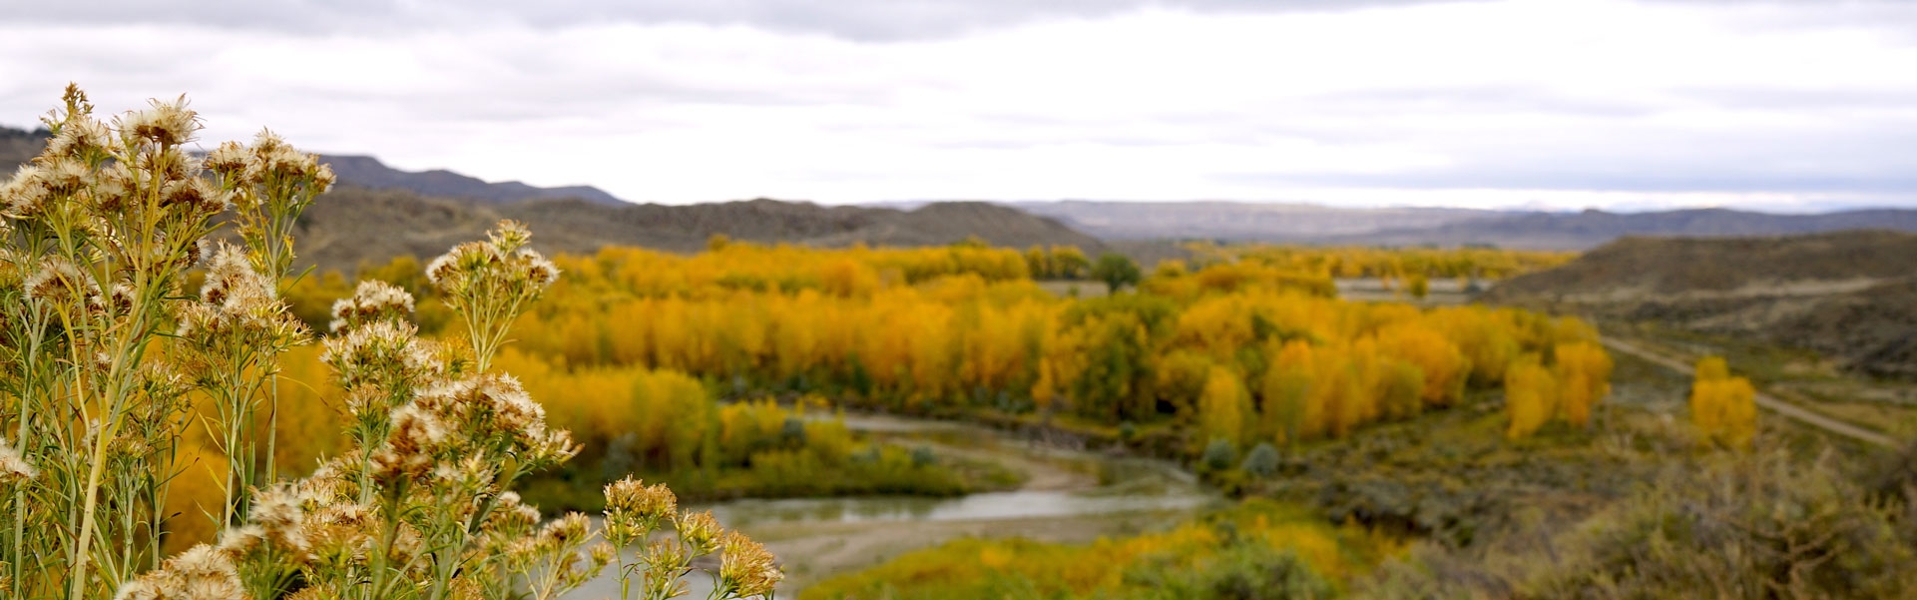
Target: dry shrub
[{"x": 1759, "y": 527}]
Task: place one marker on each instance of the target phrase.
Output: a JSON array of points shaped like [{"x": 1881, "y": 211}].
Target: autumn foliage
[
  {"x": 1247, "y": 351},
  {"x": 1723, "y": 407},
  {"x": 1409, "y": 264}
]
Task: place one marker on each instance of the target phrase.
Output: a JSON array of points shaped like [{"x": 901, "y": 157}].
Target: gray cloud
[
  {"x": 1481, "y": 99},
  {"x": 1259, "y": 105},
  {"x": 875, "y": 20},
  {"x": 866, "y": 20},
  {"x": 1800, "y": 99}
]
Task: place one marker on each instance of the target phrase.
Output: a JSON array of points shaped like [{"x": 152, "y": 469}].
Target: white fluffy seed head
[
  {"x": 14, "y": 468},
  {"x": 162, "y": 122},
  {"x": 372, "y": 301}
]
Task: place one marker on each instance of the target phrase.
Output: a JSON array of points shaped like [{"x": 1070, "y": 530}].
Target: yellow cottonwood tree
[
  {"x": 1723, "y": 406},
  {"x": 1583, "y": 372},
  {"x": 1224, "y": 407},
  {"x": 1530, "y": 397}
]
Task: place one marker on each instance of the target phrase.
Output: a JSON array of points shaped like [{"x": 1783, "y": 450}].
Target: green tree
[
  {"x": 1116, "y": 270},
  {"x": 1418, "y": 284}
]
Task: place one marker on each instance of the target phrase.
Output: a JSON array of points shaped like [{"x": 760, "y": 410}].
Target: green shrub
[
  {"x": 1262, "y": 461},
  {"x": 1218, "y": 456},
  {"x": 1242, "y": 571},
  {"x": 923, "y": 456}
]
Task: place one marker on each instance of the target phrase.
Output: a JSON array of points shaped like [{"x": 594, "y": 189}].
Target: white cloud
[{"x": 1566, "y": 104}]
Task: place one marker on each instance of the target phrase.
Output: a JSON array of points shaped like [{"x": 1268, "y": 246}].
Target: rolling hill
[{"x": 1849, "y": 295}]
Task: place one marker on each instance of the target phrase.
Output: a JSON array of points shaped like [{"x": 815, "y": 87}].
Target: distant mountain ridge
[
  {"x": 369, "y": 172},
  {"x": 376, "y": 213},
  {"x": 1410, "y": 226},
  {"x": 685, "y": 227},
  {"x": 1240, "y": 221},
  {"x": 17, "y": 146},
  {"x": 1592, "y": 228}
]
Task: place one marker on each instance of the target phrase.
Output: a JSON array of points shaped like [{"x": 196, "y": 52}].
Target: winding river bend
[{"x": 1068, "y": 496}]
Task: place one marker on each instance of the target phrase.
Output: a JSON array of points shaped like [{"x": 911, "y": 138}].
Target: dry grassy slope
[
  {"x": 1874, "y": 329},
  {"x": 354, "y": 224},
  {"x": 1850, "y": 295},
  {"x": 1674, "y": 265}
]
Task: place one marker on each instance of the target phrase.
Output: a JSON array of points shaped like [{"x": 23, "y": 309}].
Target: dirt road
[{"x": 1767, "y": 401}]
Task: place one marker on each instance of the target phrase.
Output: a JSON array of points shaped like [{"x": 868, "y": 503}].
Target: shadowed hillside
[
  {"x": 1850, "y": 295},
  {"x": 17, "y": 146}
]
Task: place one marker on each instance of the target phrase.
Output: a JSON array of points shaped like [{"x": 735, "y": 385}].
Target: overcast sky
[{"x": 1562, "y": 104}]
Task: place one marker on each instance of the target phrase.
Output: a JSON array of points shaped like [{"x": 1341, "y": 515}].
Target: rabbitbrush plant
[{"x": 108, "y": 362}]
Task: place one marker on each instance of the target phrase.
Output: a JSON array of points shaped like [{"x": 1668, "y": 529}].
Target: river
[{"x": 1068, "y": 496}]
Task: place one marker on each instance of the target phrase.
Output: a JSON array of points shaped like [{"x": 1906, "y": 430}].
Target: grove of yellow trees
[
  {"x": 1250, "y": 351},
  {"x": 1394, "y": 263}
]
